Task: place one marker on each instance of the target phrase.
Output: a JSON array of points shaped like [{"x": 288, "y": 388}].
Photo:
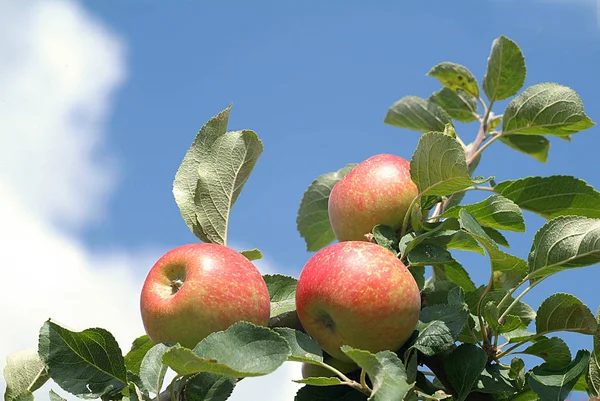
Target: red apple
[
  {"x": 377, "y": 191},
  {"x": 197, "y": 289},
  {"x": 358, "y": 294}
]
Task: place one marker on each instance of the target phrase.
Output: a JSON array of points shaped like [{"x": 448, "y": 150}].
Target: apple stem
[{"x": 176, "y": 286}]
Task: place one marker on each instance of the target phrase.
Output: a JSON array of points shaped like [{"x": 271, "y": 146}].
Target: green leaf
[
  {"x": 303, "y": 347},
  {"x": 252, "y": 254},
  {"x": 428, "y": 254},
  {"x": 552, "y": 196},
  {"x": 385, "y": 370},
  {"x": 208, "y": 387},
  {"x": 418, "y": 273},
  {"x": 496, "y": 236},
  {"x": 321, "y": 381},
  {"x": 439, "y": 327},
  {"x": 496, "y": 212},
  {"x": 494, "y": 380},
  {"x": 546, "y": 109},
  {"x": 506, "y": 71},
  {"x": 455, "y": 76},
  {"x": 520, "y": 309},
  {"x": 152, "y": 370},
  {"x": 507, "y": 270},
  {"x": 212, "y": 175},
  {"x": 517, "y": 372},
  {"x": 565, "y": 242},
  {"x": 459, "y": 105},
  {"x": 24, "y": 373},
  {"x": 439, "y": 166},
  {"x": 282, "y": 291},
  {"x": 593, "y": 374},
  {"x": 463, "y": 368},
  {"x": 552, "y": 383},
  {"x": 133, "y": 359},
  {"x": 454, "y": 272},
  {"x": 534, "y": 146},
  {"x": 386, "y": 237},
  {"x": 54, "y": 397},
  {"x": 333, "y": 393},
  {"x": 88, "y": 364},
  {"x": 242, "y": 350},
  {"x": 313, "y": 215},
  {"x": 518, "y": 335},
  {"x": 564, "y": 312},
  {"x": 412, "y": 112},
  {"x": 553, "y": 350}
]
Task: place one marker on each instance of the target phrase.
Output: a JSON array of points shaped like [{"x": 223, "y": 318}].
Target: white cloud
[{"x": 60, "y": 69}]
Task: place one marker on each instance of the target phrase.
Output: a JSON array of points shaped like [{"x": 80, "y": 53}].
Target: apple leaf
[
  {"x": 426, "y": 254},
  {"x": 507, "y": 270},
  {"x": 212, "y": 175},
  {"x": 496, "y": 236},
  {"x": 546, "y": 109},
  {"x": 282, "y": 291},
  {"x": 552, "y": 383},
  {"x": 517, "y": 372},
  {"x": 303, "y": 347},
  {"x": 520, "y": 309},
  {"x": 553, "y": 350},
  {"x": 152, "y": 370},
  {"x": 386, "y": 237},
  {"x": 320, "y": 381},
  {"x": 496, "y": 212},
  {"x": 331, "y": 393},
  {"x": 385, "y": 370},
  {"x": 252, "y": 254},
  {"x": 133, "y": 359},
  {"x": 243, "y": 350},
  {"x": 313, "y": 215},
  {"x": 564, "y": 312},
  {"x": 506, "y": 71},
  {"x": 458, "y": 104},
  {"x": 208, "y": 387},
  {"x": 565, "y": 242},
  {"x": 518, "y": 335},
  {"x": 55, "y": 397},
  {"x": 494, "y": 380},
  {"x": 535, "y": 146},
  {"x": 455, "y": 76},
  {"x": 439, "y": 326},
  {"x": 439, "y": 166},
  {"x": 552, "y": 196},
  {"x": 412, "y": 112},
  {"x": 24, "y": 373},
  {"x": 463, "y": 368},
  {"x": 454, "y": 272},
  {"x": 88, "y": 364},
  {"x": 593, "y": 373}
]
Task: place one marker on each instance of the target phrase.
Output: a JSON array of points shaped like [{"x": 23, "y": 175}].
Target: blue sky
[{"x": 104, "y": 98}]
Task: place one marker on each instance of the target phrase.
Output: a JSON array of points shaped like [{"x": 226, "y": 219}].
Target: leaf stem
[
  {"x": 363, "y": 380},
  {"x": 517, "y": 299},
  {"x": 476, "y": 154},
  {"x": 172, "y": 387},
  {"x": 408, "y": 214},
  {"x": 347, "y": 381}
]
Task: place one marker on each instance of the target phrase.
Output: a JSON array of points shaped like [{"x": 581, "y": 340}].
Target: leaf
[
  {"x": 459, "y": 105},
  {"x": 496, "y": 211},
  {"x": 454, "y": 272},
  {"x": 593, "y": 374},
  {"x": 303, "y": 347},
  {"x": 242, "y": 350},
  {"x": 208, "y": 387},
  {"x": 520, "y": 309},
  {"x": 565, "y": 242},
  {"x": 506, "y": 71},
  {"x": 455, "y": 76},
  {"x": 494, "y": 380},
  {"x": 496, "y": 236},
  {"x": 546, "y": 109},
  {"x": 418, "y": 273},
  {"x": 24, "y": 373},
  {"x": 212, "y": 175},
  {"x": 55, "y": 397},
  {"x": 88, "y": 364},
  {"x": 438, "y": 165},
  {"x": 428, "y": 254},
  {"x": 552, "y": 383},
  {"x": 553, "y": 350},
  {"x": 534, "y": 146},
  {"x": 386, "y": 237},
  {"x": 439, "y": 327},
  {"x": 507, "y": 270},
  {"x": 564, "y": 312},
  {"x": 282, "y": 291},
  {"x": 139, "y": 347},
  {"x": 252, "y": 254},
  {"x": 321, "y": 381},
  {"x": 333, "y": 393},
  {"x": 385, "y": 370},
  {"x": 412, "y": 112},
  {"x": 152, "y": 370},
  {"x": 463, "y": 368},
  {"x": 313, "y": 216},
  {"x": 517, "y": 372},
  {"x": 552, "y": 196},
  {"x": 518, "y": 335}
]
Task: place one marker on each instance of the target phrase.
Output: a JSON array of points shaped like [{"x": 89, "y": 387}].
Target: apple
[
  {"x": 310, "y": 370},
  {"x": 377, "y": 191},
  {"x": 358, "y": 294},
  {"x": 197, "y": 289}
]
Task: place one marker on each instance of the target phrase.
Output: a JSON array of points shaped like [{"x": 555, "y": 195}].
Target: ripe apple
[
  {"x": 197, "y": 289},
  {"x": 310, "y": 370},
  {"x": 358, "y": 294},
  {"x": 377, "y": 191}
]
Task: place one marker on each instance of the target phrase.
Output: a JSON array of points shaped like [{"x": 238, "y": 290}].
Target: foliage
[{"x": 461, "y": 324}]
